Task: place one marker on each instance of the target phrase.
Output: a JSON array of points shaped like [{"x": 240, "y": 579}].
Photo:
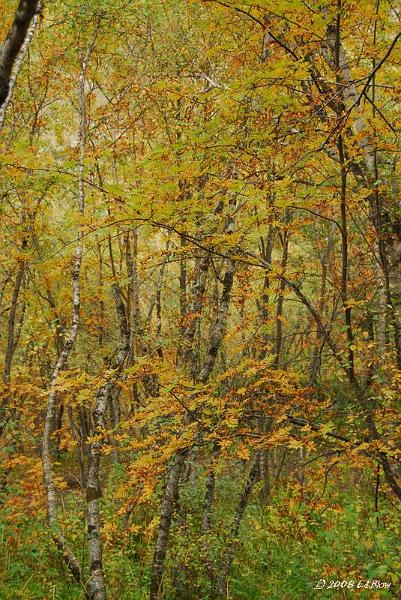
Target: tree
[
  {"x": 199, "y": 299},
  {"x": 14, "y": 42}
]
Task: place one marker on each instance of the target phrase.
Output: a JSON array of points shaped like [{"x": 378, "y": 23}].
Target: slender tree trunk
[
  {"x": 278, "y": 342},
  {"x": 70, "y": 338},
  {"x": 96, "y": 583},
  {"x": 265, "y": 427},
  {"x": 11, "y": 337},
  {"x": 115, "y": 414},
  {"x": 51, "y": 495},
  {"x": 228, "y": 555},
  {"x": 189, "y": 356},
  {"x": 266, "y": 251},
  {"x": 171, "y": 491},
  {"x": 218, "y": 327},
  {"x": 170, "y": 496},
  {"x": 319, "y": 342},
  {"x": 210, "y": 488},
  {"x": 101, "y": 301},
  {"x": 134, "y": 314}
]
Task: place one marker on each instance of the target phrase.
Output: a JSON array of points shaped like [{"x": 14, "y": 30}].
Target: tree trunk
[
  {"x": 13, "y": 43},
  {"x": 228, "y": 556},
  {"x": 170, "y": 496},
  {"x": 96, "y": 583},
  {"x": 319, "y": 341},
  {"x": 171, "y": 491},
  {"x": 278, "y": 342}
]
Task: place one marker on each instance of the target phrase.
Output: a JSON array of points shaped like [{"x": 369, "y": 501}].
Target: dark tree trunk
[{"x": 13, "y": 43}]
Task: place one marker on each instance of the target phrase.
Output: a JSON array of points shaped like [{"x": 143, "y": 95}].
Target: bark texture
[
  {"x": 96, "y": 583},
  {"x": 70, "y": 338},
  {"x": 171, "y": 490},
  {"x": 170, "y": 496},
  {"x": 13, "y": 43}
]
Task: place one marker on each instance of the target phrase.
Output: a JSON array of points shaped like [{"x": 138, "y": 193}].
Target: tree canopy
[{"x": 200, "y": 299}]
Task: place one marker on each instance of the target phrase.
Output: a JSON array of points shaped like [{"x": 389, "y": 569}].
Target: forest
[{"x": 200, "y": 299}]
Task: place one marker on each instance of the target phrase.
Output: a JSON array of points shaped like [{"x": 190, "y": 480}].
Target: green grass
[{"x": 283, "y": 551}]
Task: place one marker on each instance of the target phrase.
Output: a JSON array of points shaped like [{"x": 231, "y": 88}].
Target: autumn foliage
[{"x": 200, "y": 299}]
